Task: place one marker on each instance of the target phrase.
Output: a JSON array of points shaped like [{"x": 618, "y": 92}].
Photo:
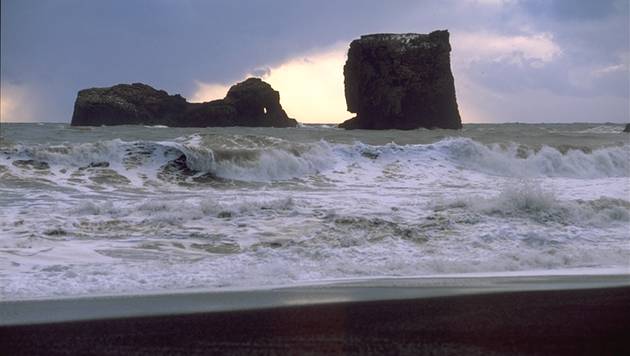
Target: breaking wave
[
  {"x": 132, "y": 209},
  {"x": 266, "y": 159},
  {"x": 546, "y": 161}
]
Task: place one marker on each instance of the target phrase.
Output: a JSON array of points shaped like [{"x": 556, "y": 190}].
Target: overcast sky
[{"x": 526, "y": 61}]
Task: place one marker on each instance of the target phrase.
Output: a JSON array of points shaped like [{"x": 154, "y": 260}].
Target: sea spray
[
  {"x": 133, "y": 209},
  {"x": 528, "y": 199}
]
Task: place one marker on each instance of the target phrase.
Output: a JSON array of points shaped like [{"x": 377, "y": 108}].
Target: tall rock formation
[
  {"x": 249, "y": 103},
  {"x": 401, "y": 81}
]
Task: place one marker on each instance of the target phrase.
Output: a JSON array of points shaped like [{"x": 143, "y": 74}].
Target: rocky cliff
[
  {"x": 401, "y": 81},
  {"x": 249, "y": 103}
]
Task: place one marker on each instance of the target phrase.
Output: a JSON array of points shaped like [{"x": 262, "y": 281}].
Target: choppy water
[{"x": 129, "y": 209}]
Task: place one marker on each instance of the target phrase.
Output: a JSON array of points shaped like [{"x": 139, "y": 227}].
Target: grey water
[{"x": 127, "y": 209}]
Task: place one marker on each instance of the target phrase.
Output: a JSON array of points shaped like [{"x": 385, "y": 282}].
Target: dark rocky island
[
  {"x": 249, "y": 103},
  {"x": 627, "y": 129},
  {"x": 401, "y": 81}
]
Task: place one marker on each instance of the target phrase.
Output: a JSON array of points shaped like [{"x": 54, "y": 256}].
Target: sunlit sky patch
[{"x": 310, "y": 85}]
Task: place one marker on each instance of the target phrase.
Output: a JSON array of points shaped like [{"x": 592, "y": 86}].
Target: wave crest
[
  {"x": 267, "y": 159},
  {"x": 519, "y": 161}
]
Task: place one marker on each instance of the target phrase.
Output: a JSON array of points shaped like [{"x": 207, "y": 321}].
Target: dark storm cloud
[
  {"x": 169, "y": 41},
  {"x": 589, "y": 32},
  {"x": 70, "y": 44},
  {"x": 579, "y": 10},
  {"x": 594, "y": 37}
]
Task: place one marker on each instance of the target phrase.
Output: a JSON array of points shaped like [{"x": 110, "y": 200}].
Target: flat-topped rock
[
  {"x": 127, "y": 104},
  {"x": 401, "y": 81},
  {"x": 405, "y": 40},
  {"x": 249, "y": 103}
]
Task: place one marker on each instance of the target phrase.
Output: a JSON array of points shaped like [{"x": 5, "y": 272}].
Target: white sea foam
[
  {"x": 216, "y": 210},
  {"x": 527, "y": 199},
  {"x": 517, "y": 161},
  {"x": 280, "y": 160}
]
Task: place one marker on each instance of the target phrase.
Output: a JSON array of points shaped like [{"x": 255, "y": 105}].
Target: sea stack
[
  {"x": 249, "y": 103},
  {"x": 627, "y": 129},
  {"x": 401, "y": 81}
]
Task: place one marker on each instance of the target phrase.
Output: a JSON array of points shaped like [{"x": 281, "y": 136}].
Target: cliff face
[
  {"x": 401, "y": 81},
  {"x": 249, "y": 103}
]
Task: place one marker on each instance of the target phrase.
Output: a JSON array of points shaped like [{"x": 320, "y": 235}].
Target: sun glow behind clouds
[
  {"x": 312, "y": 90},
  {"x": 310, "y": 86},
  {"x": 208, "y": 92},
  {"x": 14, "y": 105}
]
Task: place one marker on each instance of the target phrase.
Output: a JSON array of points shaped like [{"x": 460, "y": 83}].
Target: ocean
[{"x": 133, "y": 209}]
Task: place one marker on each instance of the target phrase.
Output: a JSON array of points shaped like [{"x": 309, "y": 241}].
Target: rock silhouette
[
  {"x": 401, "y": 81},
  {"x": 252, "y": 102}
]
